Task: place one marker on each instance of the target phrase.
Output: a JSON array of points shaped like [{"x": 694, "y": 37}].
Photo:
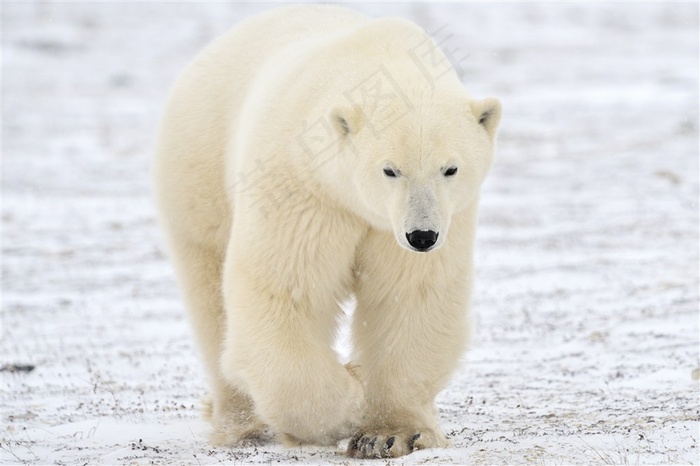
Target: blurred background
[{"x": 585, "y": 309}]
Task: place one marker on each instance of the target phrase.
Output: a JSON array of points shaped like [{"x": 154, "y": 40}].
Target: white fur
[{"x": 270, "y": 227}]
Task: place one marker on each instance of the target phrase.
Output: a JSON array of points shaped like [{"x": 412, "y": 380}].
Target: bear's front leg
[
  {"x": 278, "y": 349},
  {"x": 281, "y": 298},
  {"x": 409, "y": 330}
]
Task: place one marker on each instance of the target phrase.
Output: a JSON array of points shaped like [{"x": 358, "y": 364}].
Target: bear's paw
[{"x": 392, "y": 443}]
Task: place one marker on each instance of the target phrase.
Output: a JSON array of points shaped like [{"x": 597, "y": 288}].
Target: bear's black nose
[{"x": 422, "y": 240}]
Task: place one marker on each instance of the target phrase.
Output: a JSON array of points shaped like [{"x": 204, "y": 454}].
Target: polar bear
[{"x": 311, "y": 155}]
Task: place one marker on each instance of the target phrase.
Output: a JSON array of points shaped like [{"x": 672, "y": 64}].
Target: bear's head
[{"x": 417, "y": 162}]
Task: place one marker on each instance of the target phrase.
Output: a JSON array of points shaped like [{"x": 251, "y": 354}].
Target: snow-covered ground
[{"x": 585, "y": 345}]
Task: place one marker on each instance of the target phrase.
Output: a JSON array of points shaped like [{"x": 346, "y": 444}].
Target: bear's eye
[
  {"x": 390, "y": 173},
  {"x": 452, "y": 171}
]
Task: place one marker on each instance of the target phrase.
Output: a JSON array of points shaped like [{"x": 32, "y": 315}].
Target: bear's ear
[
  {"x": 488, "y": 114},
  {"x": 346, "y": 120}
]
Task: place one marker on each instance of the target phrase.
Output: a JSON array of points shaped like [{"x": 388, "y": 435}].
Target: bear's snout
[{"x": 422, "y": 240}]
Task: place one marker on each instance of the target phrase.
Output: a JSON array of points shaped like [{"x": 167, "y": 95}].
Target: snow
[{"x": 585, "y": 310}]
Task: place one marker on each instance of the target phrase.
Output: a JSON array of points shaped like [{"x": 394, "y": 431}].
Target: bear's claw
[{"x": 374, "y": 445}]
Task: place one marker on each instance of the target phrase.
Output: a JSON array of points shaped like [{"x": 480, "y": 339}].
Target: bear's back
[{"x": 203, "y": 111}]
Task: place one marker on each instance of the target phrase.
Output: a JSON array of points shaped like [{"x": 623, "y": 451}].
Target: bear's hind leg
[{"x": 229, "y": 410}]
